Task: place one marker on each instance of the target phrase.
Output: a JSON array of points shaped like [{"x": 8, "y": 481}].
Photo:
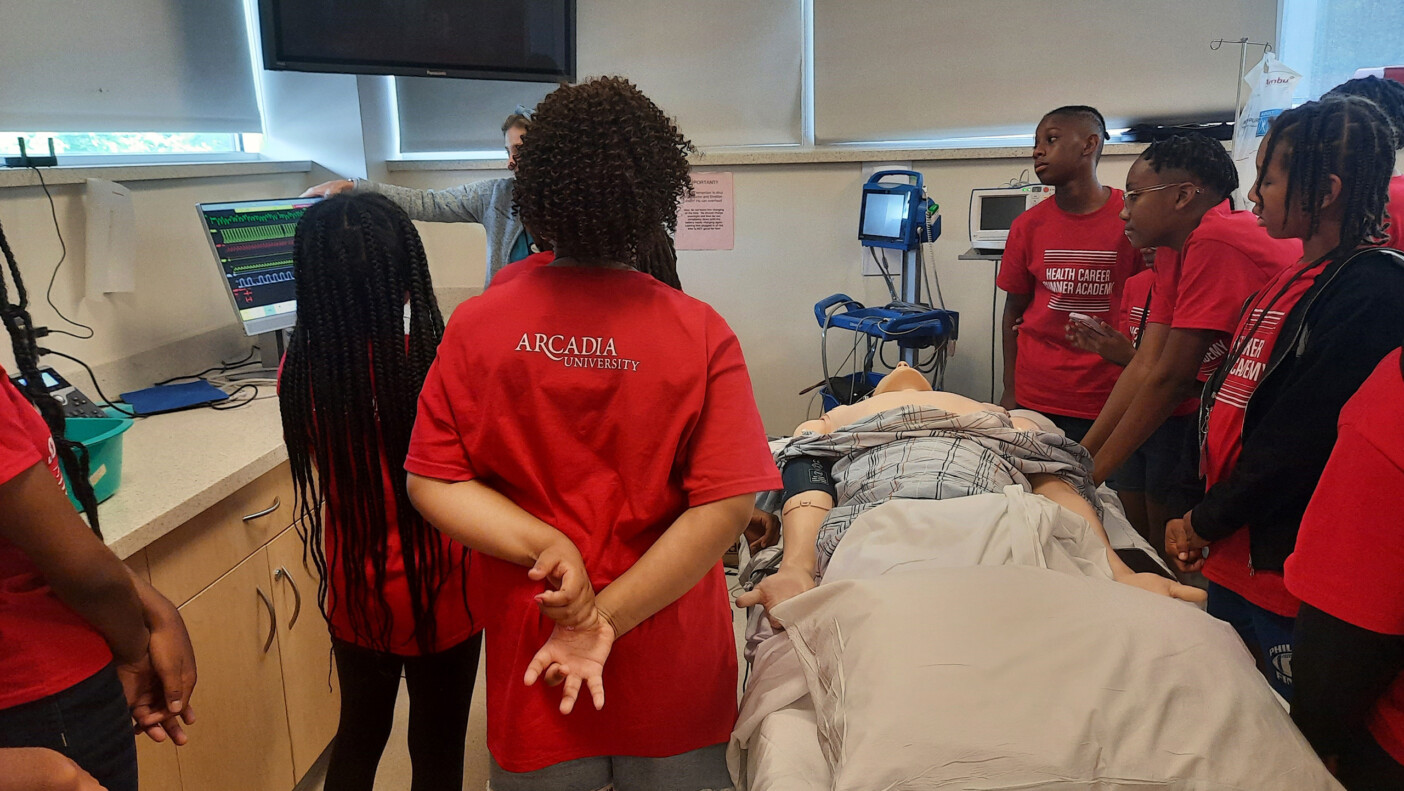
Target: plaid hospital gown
[{"x": 925, "y": 453}]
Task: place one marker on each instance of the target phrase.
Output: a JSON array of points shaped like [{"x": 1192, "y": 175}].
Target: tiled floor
[{"x": 394, "y": 772}]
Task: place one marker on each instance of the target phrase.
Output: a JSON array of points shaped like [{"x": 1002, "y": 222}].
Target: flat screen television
[{"x": 525, "y": 40}]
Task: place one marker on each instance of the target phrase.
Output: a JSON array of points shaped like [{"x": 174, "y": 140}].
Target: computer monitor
[{"x": 253, "y": 242}]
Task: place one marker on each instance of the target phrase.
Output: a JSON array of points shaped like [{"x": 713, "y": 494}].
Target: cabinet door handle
[
  {"x": 272, "y": 620},
  {"x": 265, "y": 512},
  {"x": 282, "y": 574}
]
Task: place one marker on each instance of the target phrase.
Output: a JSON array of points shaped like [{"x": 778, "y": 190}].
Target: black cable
[
  {"x": 886, "y": 274},
  {"x": 231, "y": 403},
  {"x": 221, "y": 368},
  {"x": 106, "y": 401},
  {"x": 994, "y": 330},
  {"x": 63, "y": 256}
]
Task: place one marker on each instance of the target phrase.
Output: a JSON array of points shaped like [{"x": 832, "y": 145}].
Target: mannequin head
[{"x": 903, "y": 378}]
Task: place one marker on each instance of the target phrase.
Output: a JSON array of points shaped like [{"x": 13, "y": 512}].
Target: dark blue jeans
[
  {"x": 88, "y": 722},
  {"x": 1269, "y": 634}
]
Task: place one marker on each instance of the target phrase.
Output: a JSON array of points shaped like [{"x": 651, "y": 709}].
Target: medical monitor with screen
[{"x": 253, "y": 243}]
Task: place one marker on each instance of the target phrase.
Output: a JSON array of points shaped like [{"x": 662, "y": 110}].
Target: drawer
[{"x": 197, "y": 553}]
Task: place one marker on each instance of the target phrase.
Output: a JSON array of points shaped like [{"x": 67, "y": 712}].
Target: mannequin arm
[{"x": 1060, "y": 492}]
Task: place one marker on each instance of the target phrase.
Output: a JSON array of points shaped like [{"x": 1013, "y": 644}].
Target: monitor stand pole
[
  {"x": 911, "y": 291},
  {"x": 271, "y": 346}
]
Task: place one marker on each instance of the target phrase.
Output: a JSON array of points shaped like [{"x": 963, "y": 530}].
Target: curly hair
[
  {"x": 1203, "y": 158},
  {"x": 1388, "y": 94},
  {"x": 602, "y": 168},
  {"x": 1347, "y": 136},
  {"x": 349, "y": 390}
]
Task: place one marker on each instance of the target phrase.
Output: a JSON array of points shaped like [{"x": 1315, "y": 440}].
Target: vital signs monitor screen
[{"x": 253, "y": 243}]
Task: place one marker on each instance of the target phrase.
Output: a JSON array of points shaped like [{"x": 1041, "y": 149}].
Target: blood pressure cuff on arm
[{"x": 808, "y": 474}]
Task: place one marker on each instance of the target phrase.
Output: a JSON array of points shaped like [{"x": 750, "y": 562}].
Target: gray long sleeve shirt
[{"x": 487, "y": 202}]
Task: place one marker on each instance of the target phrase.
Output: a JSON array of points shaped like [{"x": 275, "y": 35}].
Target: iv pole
[{"x": 1243, "y": 45}]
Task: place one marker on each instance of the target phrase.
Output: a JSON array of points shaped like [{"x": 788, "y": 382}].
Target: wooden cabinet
[
  {"x": 266, "y": 702},
  {"x": 199, "y": 552},
  {"x": 239, "y": 741},
  {"x": 158, "y": 768},
  {"x": 309, "y": 678}
]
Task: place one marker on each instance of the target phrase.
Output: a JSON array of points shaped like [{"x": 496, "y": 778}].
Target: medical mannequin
[{"x": 803, "y": 514}]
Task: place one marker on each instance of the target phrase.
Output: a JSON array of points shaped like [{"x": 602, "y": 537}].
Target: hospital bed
[{"x": 1015, "y": 668}]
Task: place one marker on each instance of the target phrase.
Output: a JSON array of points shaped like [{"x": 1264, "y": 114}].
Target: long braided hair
[
  {"x": 656, "y": 256},
  {"x": 18, "y": 323},
  {"x": 348, "y": 394},
  {"x": 1387, "y": 94},
  {"x": 1345, "y": 136}
]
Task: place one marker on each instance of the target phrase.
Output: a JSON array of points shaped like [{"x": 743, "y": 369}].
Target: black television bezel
[{"x": 268, "y": 34}]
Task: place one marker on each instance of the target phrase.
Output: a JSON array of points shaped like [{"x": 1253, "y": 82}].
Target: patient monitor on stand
[{"x": 893, "y": 215}]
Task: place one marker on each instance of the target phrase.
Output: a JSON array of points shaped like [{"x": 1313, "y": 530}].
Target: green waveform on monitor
[
  {"x": 238, "y": 270},
  {"x": 251, "y": 218},
  {"x": 258, "y": 233}
]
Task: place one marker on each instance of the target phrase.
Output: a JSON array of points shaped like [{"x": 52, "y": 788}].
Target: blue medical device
[{"x": 894, "y": 215}]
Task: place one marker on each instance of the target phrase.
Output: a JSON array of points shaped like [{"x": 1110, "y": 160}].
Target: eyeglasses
[{"x": 1130, "y": 195}]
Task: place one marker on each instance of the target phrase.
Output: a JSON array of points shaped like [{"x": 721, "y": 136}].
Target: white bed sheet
[{"x": 776, "y": 743}]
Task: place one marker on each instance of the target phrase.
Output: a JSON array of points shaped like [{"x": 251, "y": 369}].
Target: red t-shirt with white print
[
  {"x": 45, "y": 647},
  {"x": 1068, "y": 263},
  {"x": 605, "y": 404},
  {"x": 1230, "y": 560},
  {"x": 1223, "y": 262}
]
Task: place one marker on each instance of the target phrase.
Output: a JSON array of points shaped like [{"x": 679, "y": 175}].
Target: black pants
[
  {"x": 88, "y": 722},
  {"x": 1367, "y": 767},
  {"x": 440, "y": 692}
]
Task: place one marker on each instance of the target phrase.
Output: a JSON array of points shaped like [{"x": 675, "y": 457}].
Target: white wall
[
  {"x": 796, "y": 228},
  {"x": 179, "y": 293}
]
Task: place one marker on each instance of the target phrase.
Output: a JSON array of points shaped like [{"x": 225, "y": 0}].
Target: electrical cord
[
  {"x": 107, "y": 402},
  {"x": 886, "y": 273},
  {"x": 63, "y": 256},
  {"x": 223, "y": 367}
]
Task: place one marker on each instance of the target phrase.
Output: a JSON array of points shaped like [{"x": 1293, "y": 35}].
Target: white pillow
[{"x": 1004, "y": 677}]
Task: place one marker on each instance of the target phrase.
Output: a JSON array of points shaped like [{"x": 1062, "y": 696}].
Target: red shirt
[
  {"x": 453, "y": 623},
  {"x": 1068, "y": 263},
  {"x": 518, "y": 268},
  {"x": 1230, "y": 561},
  {"x": 1135, "y": 303},
  {"x": 1395, "y": 210},
  {"x": 45, "y": 647},
  {"x": 1349, "y": 561},
  {"x": 606, "y": 404},
  {"x": 1223, "y": 262}
]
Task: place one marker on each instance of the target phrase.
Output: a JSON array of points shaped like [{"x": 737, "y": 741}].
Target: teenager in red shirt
[
  {"x": 1064, "y": 255},
  {"x": 395, "y": 590},
  {"x": 1389, "y": 95},
  {"x": 593, "y": 433},
  {"x": 85, "y": 646},
  {"x": 1211, "y": 259},
  {"x": 1144, "y": 481},
  {"x": 1348, "y": 570},
  {"x": 1306, "y": 342}
]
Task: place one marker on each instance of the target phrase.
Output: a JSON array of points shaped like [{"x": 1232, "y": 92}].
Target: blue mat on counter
[{"x": 172, "y": 398}]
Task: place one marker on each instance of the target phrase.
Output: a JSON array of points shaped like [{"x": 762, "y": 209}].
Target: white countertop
[{"x": 174, "y": 466}]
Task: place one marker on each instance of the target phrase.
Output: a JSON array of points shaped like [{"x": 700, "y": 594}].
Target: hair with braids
[
  {"x": 1387, "y": 94},
  {"x": 1203, "y": 158},
  {"x": 1086, "y": 114},
  {"x": 18, "y": 323},
  {"x": 1345, "y": 136},
  {"x": 601, "y": 169},
  {"x": 348, "y": 393},
  {"x": 657, "y": 257}
]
